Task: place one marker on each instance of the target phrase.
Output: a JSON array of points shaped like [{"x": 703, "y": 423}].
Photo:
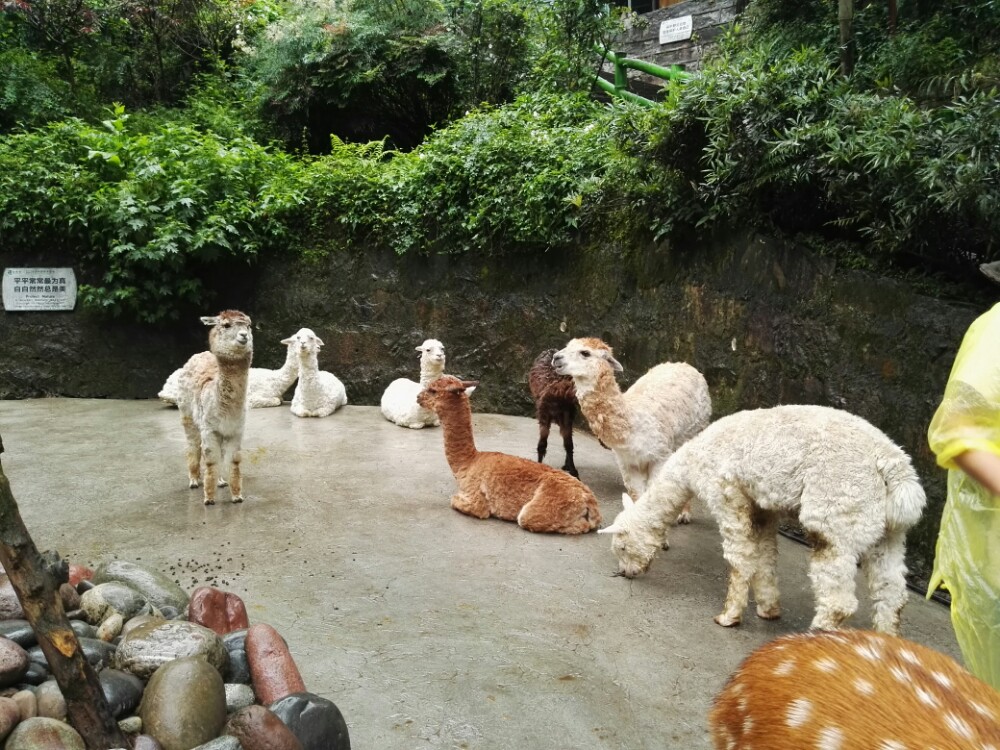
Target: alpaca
[
  {"x": 853, "y": 689},
  {"x": 851, "y": 488},
  {"x": 264, "y": 387},
  {"x": 555, "y": 401},
  {"x": 537, "y": 496},
  {"x": 212, "y": 401},
  {"x": 399, "y": 401},
  {"x": 318, "y": 393},
  {"x": 662, "y": 410}
]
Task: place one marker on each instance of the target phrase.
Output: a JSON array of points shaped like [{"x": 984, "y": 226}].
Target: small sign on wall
[
  {"x": 39, "y": 289},
  {"x": 676, "y": 29}
]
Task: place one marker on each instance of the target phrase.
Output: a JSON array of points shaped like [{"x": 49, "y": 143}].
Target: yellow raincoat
[{"x": 967, "y": 560}]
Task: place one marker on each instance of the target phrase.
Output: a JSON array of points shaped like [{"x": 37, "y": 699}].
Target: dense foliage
[{"x": 468, "y": 125}]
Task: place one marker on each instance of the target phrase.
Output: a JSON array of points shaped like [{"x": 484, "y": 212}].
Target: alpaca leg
[
  {"x": 765, "y": 580},
  {"x": 832, "y": 572},
  {"x": 685, "y": 515},
  {"x": 566, "y": 430},
  {"x": 544, "y": 426},
  {"x": 885, "y": 569},
  {"x": 471, "y": 504},
  {"x": 212, "y": 451},
  {"x": 235, "y": 475},
  {"x": 555, "y": 509},
  {"x": 193, "y": 451},
  {"x": 739, "y": 548}
]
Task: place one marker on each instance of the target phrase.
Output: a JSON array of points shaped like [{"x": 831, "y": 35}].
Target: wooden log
[{"x": 36, "y": 579}]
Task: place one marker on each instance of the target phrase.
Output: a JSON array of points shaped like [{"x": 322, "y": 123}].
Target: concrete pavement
[{"x": 427, "y": 628}]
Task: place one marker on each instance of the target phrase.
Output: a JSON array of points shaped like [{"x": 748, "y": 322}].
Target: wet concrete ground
[{"x": 427, "y": 628}]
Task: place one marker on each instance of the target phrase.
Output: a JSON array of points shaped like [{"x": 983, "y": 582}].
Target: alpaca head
[
  {"x": 432, "y": 355},
  {"x": 446, "y": 390},
  {"x": 305, "y": 343},
  {"x": 584, "y": 360},
  {"x": 633, "y": 543},
  {"x": 230, "y": 337}
]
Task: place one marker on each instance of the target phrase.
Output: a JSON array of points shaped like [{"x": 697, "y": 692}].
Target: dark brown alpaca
[
  {"x": 536, "y": 496},
  {"x": 555, "y": 401}
]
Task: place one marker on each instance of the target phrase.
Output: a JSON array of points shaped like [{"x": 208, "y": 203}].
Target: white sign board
[
  {"x": 39, "y": 289},
  {"x": 676, "y": 29}
]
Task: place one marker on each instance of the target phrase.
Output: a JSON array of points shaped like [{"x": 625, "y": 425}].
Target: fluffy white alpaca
[
  {"x": 318, "y": 393},
  {"x": 851, "y": 488},
  {"x": 643, "y": 426},
  {"x": 399, "y": 402},
  {"x": 264, "y": 387},
  {"x": 212, "y": 393}
]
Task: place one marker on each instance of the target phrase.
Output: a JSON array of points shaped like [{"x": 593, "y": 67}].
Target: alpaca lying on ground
[
  {"x": 319, "y": 393},
  {"x": 264, "y": 387},
  {"x": 537, "y": 496},
  {"x": 212, "y": 392},
  {"x": 850, "y": 487},
  {"x": 399, "y": 401},
  {"x": 853, "y": 689},
  {"x": 555, "y": 401},
  {"x": 662, "y": 410}
]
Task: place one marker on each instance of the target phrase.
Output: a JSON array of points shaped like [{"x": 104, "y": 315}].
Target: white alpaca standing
[
  {"x": 318, "y": 393},
  {"x": 850, "y": 487},
  {"x": 643, "y": 426},
  {"x": 264, "y": 387},
  {"x": 399, "y": 402},
  {"x": 212, "y": 392}
]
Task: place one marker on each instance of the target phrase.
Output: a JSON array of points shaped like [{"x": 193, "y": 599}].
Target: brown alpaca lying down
[{"x": 537, "y": 496}]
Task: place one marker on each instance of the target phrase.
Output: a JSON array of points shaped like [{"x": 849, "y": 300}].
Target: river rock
[
  {"x": 225, "y": 742},
  {"x": 70, "y": 597},
  {"x": 149, "y": 646},
  {"x": 79, "y": 573},
  {"x": 135, "y": 622},
  {"x": 19, "y": 631},
  {"x": 130, "y": 725},
  {"x": 239, "y": 668},
  {"x": 84, "y": 586},
  {"x": 111, "y": 627},
  {"x": 40, "y": 733},
  {"x": 184, "y": 704},
  {"x": 317, "y": 722},
  {"x": 98, "y": 653},
  {"x": 10, "y": 605},
  {"x": 50, "y": 701},
  {"x": 145, "y": 742},
  {"x": 122, "y": 690},
  {"x": 257, "y": 728},
  {"x": 27, "y": 703},
  {"x": 36, "y": 674},
  {"x": 14, "y": 662},
  {"x": 219, "y": 610},
  {"x": 83, "y": 629},
  {"x": 106, "y": 599},
  {"x": 158, "y": 589},
  {"x": 272, "y": 668},
  {"x": 238, "y": 696},
  {"x": 10, "y": 716}
]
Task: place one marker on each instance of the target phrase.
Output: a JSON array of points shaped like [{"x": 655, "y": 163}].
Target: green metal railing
[{"x": 620, "y": 86}]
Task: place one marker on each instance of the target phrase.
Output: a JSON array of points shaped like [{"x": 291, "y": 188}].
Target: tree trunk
[
  {"x": 36, "y": 578},
  {"x": 893, "y": 13},
  {"x": 846, "y": 18}
]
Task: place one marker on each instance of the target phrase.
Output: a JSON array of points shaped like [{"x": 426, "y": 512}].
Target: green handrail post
[{"x": 621, "y": 65}]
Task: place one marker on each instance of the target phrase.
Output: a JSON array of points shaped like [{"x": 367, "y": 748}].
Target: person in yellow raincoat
[{"x": 965, "y": 436}]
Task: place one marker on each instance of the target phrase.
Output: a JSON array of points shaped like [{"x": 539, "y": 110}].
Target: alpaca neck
[
  {"x": 459, "y": 443},
  {"x": 308, "y": 366},
  {"x": 429, "y": 372},
  {"x": 231, "y": 384},
  {"x": 605, "y": 409},
  {"x": 290, "y": 370}
]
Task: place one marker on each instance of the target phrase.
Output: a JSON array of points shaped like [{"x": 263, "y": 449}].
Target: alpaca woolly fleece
[
  {"x": 555, "y": 401},
  {"x": 643, "y": 426},
  {"x": 318, "y": 393},
  {"x": 264, "y": 387},
  {"x": 537, "y": 496},
  {"x": 399, "y": 401},
  {"x": 847, "y": 484}
]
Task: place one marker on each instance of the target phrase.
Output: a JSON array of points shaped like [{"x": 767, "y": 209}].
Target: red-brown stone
[
  {"x": 79, "y": 573},
  {"x": 218, "y": 610},
  {"x": 272, "y": 668},
  {"x": 257, "y": 728}
]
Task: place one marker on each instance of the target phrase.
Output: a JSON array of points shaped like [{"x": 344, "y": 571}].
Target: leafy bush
[{"x": 148, "y": 213}]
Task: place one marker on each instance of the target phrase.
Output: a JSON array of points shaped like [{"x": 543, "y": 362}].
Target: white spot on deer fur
[
  {"x": 830, "y": 738},
  {"x": 868, "y": 651},
  {"x": 747, "y": 724},
  {"x": 988, "y": 747},
  {"x": 891, "y": 745},
  {"x": 941, "y": 679},
  {"x": 958, "y": 726},
  {"x": 742, "y": 704},
  {"x": 798, "y": 712},
  {"x": 785, "y": 668},
  {"x": 982, "y": 710},
  {"x": 826, "y": 664},
  {"x": 900, "y": 674},
  {"x": 927, "y": 698},
  {"x": 863, "y": 686},
  {"x": 906, "y": 655}
]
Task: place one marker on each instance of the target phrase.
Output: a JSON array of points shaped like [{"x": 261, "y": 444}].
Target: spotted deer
[{"x": 853, "y": 690}]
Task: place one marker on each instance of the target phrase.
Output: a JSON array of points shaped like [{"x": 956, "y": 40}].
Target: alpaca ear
[
  {"x": 612, "y": 529},
  {"x": 627, "y": 501},
  {"x": 319, "y": 341},
  {"x": 420, "y": 348},
  {"x": 615, "y": 364},
  {"x": 287, "y": 341},
  {"x": 469, "y": 391},
  {"x": 470, "y": 385},
  {"x": 210, "y": 320}
]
